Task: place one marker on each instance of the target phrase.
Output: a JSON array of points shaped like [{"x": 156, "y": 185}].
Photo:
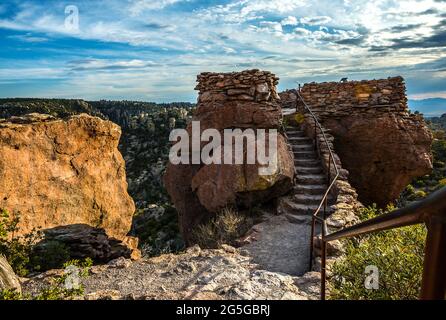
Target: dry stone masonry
[{"x": 340, "y": 99}]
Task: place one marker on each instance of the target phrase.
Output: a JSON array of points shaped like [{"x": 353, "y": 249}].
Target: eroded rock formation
[
  {"x": 230, "y": 100},
  {"x": 64, "y": 172},
  {"x": 380, "y": 143},
  {"x": 8, "y": 279}
]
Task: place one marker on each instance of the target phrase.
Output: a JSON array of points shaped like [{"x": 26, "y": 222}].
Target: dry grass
[{"x": 225, "y": 228}]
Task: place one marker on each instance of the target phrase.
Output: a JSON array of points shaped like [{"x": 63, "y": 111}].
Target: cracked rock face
[{"x": 63, "y": 172}]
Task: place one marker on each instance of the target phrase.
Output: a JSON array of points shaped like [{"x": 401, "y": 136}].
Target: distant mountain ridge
[{"x": 433, "y": 107}]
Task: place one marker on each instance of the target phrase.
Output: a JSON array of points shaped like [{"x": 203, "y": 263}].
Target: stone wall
[
  {"x": 248, "y": 85},
  {"x": 340, "y": 99},
  {"x": 380, "y": 143}
]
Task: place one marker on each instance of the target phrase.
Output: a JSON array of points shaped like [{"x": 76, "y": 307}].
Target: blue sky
[{"x": 152, "y": 50}]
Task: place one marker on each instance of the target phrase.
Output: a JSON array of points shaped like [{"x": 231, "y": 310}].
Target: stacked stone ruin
[
  {"x": 374, "y": 133},
  {"x": 340, "y": 99},
  {"x": 249, "y": 85}
]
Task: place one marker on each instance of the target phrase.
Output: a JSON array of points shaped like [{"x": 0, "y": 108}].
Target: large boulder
[
  {"x": 8, "y": 279},
  {"x": 383, "y": 153},
  {"x": 244, "y": 100},
  {"x": 58, "y": 172}
]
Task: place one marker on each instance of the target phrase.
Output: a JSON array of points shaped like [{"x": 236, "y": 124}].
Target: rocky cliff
[
  {"x": 63, "y": 172},
  {"x": 380, "y": 143},
  {"x": 230, "y": 100}
]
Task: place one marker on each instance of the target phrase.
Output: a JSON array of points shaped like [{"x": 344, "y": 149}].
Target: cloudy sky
[{"x": 152, "y": 50}]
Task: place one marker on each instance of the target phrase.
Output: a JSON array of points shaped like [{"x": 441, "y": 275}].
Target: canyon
[{"x": 67, "y": 170}]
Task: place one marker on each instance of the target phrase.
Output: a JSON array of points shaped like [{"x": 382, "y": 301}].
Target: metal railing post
[
  {"x": 434, "y": 272},
  {"x": 323, "y": 266},
  {"x": 313, "y": 225}
]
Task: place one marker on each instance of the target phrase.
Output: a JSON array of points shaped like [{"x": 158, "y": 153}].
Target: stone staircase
[
  {"x": 282, "y": 242},
  {"x": 311, "y": 182}
]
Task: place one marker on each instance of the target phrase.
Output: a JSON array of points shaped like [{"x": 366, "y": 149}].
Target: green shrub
[
  {"x": 57, "y": 290},
  {"x": 16, "y": 249},
  {"x": 417, "y": 195},
  {"x": 225, "y": 228},
  {"x": 398, "y": 255},
  {"x": 24, "y": 253}
]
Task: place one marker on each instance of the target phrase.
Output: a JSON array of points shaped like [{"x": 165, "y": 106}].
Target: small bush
[
  {"x": 16, "y": 249},
  {"x": 417, "y": 195},
  {"x": 225, "y": 228},
  {"x": 49, "y": 255},
  {"x": 24, "y": 253},
  {"x": 58, "y": 289},
  {"x": 398, "y": 255}
]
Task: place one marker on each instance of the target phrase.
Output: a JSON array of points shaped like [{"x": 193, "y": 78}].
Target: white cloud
[
  {"x": 289, "y": 21},
  {"x": 105, "y": 64},
  {"x": 28, "y": 38},
  {"x": 271, "y": 26},
  {"x": 139, "y": 6},
  {"x": 336, "y": 38},
  {"x": 428, "y": 95},
  {"x": 302, "y": 31},
  {"x": 316, "y": 21}
]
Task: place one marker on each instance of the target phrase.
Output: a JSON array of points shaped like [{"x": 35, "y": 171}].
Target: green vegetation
[
  {"x": 25, "y": 253},
  {"x": 60, "y": 288},
  {"x": 397, "y": 253},
  {"x": 438, "y": 123},
  {"x": 423, "y": 186},
  {"x": 16, "y": 249},
  {"x": 60, "y": 108}
]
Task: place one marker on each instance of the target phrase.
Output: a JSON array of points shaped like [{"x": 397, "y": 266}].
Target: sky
[{"x": 152, "y": 50}]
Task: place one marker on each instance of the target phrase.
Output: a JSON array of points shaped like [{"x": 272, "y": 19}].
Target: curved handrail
[
  {"x": 330, "y": 186},
  {"x": 329, "y": 149},
  {"x": 431, "y": 211}
]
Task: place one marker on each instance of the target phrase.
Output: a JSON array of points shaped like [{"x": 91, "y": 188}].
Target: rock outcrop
[
  {"x": 245, "y": 100},
  {"x": 64, "y": 172},
  {"x": 8, "y": 279},
  {"x": 380, "y": 143},
  {"x": 193, "y": 275}
]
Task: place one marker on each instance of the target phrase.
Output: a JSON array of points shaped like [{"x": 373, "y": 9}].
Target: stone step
[
  {"x": 301, "y": 209},
  {"x": 311, "y": 178},
  {"x": 299, "y": 140},
  {"x": 309, "y": 170},
  {"x": 295, "y": 133},
  {"x": 310, "y": 188},
  {"x": 307, "y": 163},
  {"x": 303, "y": 147},
  {"x": 312, "y": 199},
  {"x": 305, "y": 154},
  {"x": 299, "y": 219}
]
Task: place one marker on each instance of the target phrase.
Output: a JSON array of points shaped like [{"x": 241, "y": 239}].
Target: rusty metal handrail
[
  {"x": 324, "y": 200},
  {"x": 432, "y": 212}
]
